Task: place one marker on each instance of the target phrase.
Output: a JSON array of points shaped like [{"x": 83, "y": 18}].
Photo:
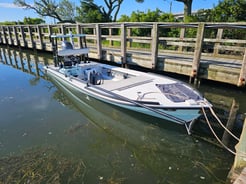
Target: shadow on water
[{"x": 112, "y": 145}]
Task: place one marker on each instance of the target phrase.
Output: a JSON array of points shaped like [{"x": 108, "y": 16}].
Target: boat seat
[
  {"x": 68, "y": 64},
  {"x": 66, "y": 45}
]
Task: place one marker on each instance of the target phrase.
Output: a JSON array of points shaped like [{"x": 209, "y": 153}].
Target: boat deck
[{"x": 126, "y": 83}]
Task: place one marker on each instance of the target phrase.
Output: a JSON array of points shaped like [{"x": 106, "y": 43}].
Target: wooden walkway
[{"x": 211, "y": 53}]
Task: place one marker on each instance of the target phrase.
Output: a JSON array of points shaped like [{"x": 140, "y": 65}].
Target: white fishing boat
[{"x": 147, "y": 93}]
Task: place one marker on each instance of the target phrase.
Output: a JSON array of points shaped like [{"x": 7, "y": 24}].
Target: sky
[{"x": 9, "y": 12}]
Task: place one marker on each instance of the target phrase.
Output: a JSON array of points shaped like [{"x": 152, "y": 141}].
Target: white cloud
[{"x": 8, "y": 5}]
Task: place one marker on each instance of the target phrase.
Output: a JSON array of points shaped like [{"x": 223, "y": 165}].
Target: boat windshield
[{"x": 177, "y": 92}]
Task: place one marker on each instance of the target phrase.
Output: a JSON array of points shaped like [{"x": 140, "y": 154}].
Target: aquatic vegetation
[
  {"x": 41, "y": 166},
  {"x": 75, "y": 128}
]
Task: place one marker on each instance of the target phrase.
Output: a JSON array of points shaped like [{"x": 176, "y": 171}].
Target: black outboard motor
[{"x": 66, "y": 45}]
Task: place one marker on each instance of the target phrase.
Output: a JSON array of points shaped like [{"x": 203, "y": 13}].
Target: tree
[
  {"x": 230, "y": 11},
  {"x": 150, "y": 16},
  {"x": 112, "y": 6},
  {"x": 107, "y": 12},
  {"x": 89, "y": 12},
  {"x": 66, "y": 10},
  {"x": 225, "y": 11},
  {"x": 49, "y": 8},
  {"x": 187, "y": 8}
]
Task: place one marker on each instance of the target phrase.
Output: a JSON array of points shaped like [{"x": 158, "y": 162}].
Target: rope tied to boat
[
  {"x": 241, "y": 154},
  {"x": 219, "y": 121}
]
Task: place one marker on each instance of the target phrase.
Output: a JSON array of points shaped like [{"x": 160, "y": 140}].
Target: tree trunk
[{"x": 187, "y": 8}]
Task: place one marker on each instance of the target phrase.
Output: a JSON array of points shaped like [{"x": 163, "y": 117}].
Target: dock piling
[{"x": 237, "y": 174}]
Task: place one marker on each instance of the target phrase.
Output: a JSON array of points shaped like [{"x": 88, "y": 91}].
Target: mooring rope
[
  {"x": 221, "y": 124},
  {"x": 217, "y": 118},
  {"x": 241, "y": 154},
  {"x": 217, "y": 138}
]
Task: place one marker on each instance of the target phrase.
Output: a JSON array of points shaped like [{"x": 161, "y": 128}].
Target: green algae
[{"x": 41, "y": 166}]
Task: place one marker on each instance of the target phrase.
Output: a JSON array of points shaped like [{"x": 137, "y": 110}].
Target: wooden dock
[
  {"x": 237, "y": 174},
  {"x": 28, "y": 62},
  {"x": 209, "y": 53}
]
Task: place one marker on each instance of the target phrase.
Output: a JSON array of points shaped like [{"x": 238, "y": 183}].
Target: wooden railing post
[
  {"x": 218, "y": 39},
  {"x": 40, "y": 37},
  {"x": 110, "y": 36},
  {"x": 1, "y": 40},
  {"x": 123, "y": 45},
  {"x": 154, "y": 45},
  {"x": 78, "y": 31},
  {"x": 129, "y": 33},
  {"x": 99, "y": 41},
  {"x": 31, "y": 37},
  {"x": 181, "y": 37},
  {"x": 10, "y": 36},
  {"x": 16, "y": 36},
  {"x": 23, "y": 36},
  {"x": 5, "y": 37},
  {"x": 50, "y": 30},
  {"x": 242, "y": 77},
  {"x": 198, "y": 51},
  {"x": 63, "y": 30}
]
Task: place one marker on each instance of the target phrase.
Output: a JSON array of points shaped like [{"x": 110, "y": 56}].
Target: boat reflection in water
[{"x": 125, "y": 147}]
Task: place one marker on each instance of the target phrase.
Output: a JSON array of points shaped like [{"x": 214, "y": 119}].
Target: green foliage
[
  {"x": 225, "y": 11},
  {"x": 202, "y": 15},
  {"x": 230, "y": 11},
  {"x": 89, "y": 12},
  {"x": 150, "y": 16},
  {"x": 28, "y": 20},
  {"x": 9, "y": 23},
  {"x": 66, "y": 10}
]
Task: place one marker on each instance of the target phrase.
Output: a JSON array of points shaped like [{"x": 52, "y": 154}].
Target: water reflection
[
  {"x": 150, "y": 149},
  {"x": 115, "y": 145},
  {"x": 24, "y": 60}
]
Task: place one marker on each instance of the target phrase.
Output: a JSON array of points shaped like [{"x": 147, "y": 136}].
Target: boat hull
[{"x": 183, "y": 115}]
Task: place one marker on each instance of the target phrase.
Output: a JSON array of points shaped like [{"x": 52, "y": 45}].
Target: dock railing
[{"x": 199, "y": 50}]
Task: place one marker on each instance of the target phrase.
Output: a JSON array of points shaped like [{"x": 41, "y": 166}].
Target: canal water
[{"x": 47, "y": 135}]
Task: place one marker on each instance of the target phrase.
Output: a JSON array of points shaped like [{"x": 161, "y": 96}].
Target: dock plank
[{"x": 242, "y": 178}]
